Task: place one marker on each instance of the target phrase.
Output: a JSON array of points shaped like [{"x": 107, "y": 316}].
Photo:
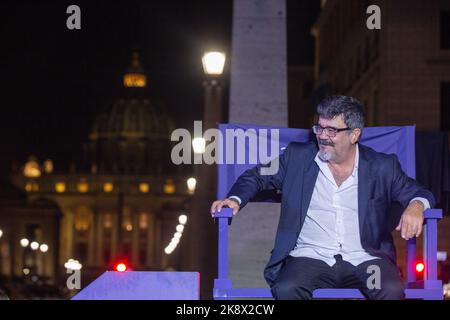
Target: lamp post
[
  {"x": 24, "y": 244},
  {"x": 1, "y": 258},
  {"x": 203, "y": 233},
  {"x": 43, "y": 248}
]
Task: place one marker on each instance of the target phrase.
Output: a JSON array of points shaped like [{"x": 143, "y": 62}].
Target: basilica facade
[{"x": 123, "y": 202}]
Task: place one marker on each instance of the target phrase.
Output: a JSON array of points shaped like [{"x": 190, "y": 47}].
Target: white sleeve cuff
[
  {"x": 236, "y": 198},
  {"x": 424, "y": 201}
]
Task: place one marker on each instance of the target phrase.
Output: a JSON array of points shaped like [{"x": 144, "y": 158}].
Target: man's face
[{"x": 335, "y": 148}]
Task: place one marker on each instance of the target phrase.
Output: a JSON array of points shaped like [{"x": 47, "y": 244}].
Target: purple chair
[{"x": 398, "y": 140}]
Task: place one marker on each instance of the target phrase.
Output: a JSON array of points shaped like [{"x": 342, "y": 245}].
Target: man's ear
[{"x": 355, "y": 135}]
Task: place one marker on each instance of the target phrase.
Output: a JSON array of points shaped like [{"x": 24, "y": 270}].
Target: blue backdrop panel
[{"x": 143, "y": 285}]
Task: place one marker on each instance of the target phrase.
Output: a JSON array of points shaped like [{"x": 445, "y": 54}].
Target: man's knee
[
  {"x": 289, "y": 291},
  {"x": 394, "y": 291}
]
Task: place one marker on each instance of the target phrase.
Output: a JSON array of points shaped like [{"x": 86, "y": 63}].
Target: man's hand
[
  {"x": 218, "y": 204},
  {"x": 411, "y": 221}
]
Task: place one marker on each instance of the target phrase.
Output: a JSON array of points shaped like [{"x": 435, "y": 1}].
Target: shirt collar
[
  {"x": 320, "y": 162},
  {"x": 355, "y": 167}
]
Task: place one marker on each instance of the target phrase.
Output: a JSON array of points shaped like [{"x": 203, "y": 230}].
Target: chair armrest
[
  {"x": 430, "y": 242},
  {"x": 433, "y": 214},
  {"x": 225, "y": 213},
  {"x": 431, "y": 217}
]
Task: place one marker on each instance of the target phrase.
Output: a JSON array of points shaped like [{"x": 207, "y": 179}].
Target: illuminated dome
[
  {"x": 132, "y": 118},
  {"x": 132, "y": 135}
]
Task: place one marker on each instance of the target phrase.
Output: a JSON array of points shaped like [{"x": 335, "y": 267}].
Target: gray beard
[{"x": 324, "y": 156}]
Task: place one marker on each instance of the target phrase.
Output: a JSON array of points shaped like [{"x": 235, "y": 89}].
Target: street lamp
[
  {"x": 73, "y": 264},
  {"x": 199, "y": 144},
  {"x": 191, "y": 183},
  {"x": 213, "y": 62},
  {"x": 182, "y": 219},
  {"x": 24, "y": 242}
]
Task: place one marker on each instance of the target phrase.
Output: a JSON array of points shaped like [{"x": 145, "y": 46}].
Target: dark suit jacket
[{"x": 381, "y": 182}]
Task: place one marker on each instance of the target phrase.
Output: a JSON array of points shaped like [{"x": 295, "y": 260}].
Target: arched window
[{"x": 83, "y": 218}]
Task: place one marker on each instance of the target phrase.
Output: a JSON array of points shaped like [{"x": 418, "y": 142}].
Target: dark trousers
[{"x": 300, "y": 276}]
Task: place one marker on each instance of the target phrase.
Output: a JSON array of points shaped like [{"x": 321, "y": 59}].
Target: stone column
[
  {"x": 159, "y": 248},
  {"x": 92, "y": 238},
  {"x": 99, "y": 240},
  {"x": 67, "y": 228},
  {"x": 258, "y": 90},
  {"x": 114, "y": 238},
  {"x": 135, "y": 239},
  {"x": 150, "y": 254},
  {"x": 17, "y": 255}
]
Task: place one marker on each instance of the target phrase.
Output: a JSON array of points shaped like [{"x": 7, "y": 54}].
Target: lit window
[
  {"x": 48, "y": 166},
  {"x": 108, "y": 187},
  {"x": 31, "y": 187},
  {"x": 144, "y": 187},
  {"x": 143, "y": 220},
  {"x": 83, "y": 186},
  {"x": 107, "y": 221},
  {"x": 31, "y": 168},
  {"x": 60, "y": 187},
  {"x": 82, "y": 219},
  {"x": 169, "y": 186}
]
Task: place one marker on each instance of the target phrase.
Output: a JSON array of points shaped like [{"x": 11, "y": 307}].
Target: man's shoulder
[{"x": 373, "y": 155}]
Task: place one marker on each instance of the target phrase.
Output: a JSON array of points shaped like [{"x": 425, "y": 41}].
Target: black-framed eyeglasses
[{"x": 330, "y": 131}]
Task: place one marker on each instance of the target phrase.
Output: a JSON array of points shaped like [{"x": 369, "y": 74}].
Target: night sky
[{"x": 54, "y": 81}]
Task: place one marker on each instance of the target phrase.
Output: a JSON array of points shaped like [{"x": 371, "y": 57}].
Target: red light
[
  {"x": 121, "y": 267},
  {"x": 420, "y": 267}
]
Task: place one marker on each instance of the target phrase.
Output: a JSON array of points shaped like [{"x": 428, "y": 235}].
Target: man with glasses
[{"x": 336, "y": 196}]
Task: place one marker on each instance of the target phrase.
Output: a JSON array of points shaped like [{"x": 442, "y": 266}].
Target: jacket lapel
[
  {"x": 365, "y": 182},
  {"x": 310, "y": 174}
]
